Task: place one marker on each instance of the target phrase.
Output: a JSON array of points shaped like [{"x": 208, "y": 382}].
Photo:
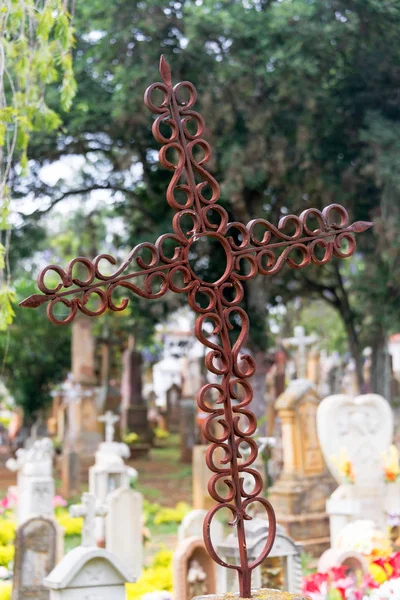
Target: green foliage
[
  {"x": 36, "y": 41},
  {"x": 300, "y": 101},
  {"x": 38, "y": 355}
]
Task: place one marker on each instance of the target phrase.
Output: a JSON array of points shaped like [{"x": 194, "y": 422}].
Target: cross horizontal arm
[
  {"x": 157, "y": 272},
  {"x": 316, "y": 245}
]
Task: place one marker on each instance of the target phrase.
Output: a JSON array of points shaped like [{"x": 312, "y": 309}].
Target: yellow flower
[
  {"x": 172, "y": 515},
  {"x": 380, "y": 574},
  {"x": 156, "y": 578},
  {"x": 344, "y": 466},
  {"x": 5, "y": 590},
  {"x": 391, "y": 464},
  {"x": 6, "y": 555},
  {"x": 71, "y": 525}
]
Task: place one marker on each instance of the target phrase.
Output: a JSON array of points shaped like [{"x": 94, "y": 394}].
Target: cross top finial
[
  {"x": 89, "y": 509},
  {"x": 109, "y": 419},
  {"x": 300, "y": 341},
  {"x": 193, "y": 193}
]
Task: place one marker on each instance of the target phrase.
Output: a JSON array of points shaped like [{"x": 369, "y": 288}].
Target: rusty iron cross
[{"x": 247, "y": 253}]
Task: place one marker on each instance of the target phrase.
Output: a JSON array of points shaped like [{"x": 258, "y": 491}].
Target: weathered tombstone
[
  {"x": 134, "y": 409},
  {"x": 91, "y": 510},
  {"x": 124, "y": 535},
  {"x": 82, "y": 352},
  {"x": 173, "y": 408},
  {"x": 360, "y": 429},
  {"x": 192, "y": 526},
  {"x": 301, "y": 491},
  {"x": 334, "y": 557},
  {"x": 34, "y": 480},
  {"x": 200, "y": 477},
  {"x": 38, "y": 548},
  {"x": 280, "y": 570},
  {"x": 188, "y": 408},
  {"x": 194, "y": 571},
  {"x": 87, "y": 572}
]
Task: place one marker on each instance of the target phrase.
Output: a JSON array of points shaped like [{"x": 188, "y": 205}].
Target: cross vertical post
[
  {"x": 109, "y": 419},
  {"x": 88, "y": 510},
  {"x": 246, "y": 255}
]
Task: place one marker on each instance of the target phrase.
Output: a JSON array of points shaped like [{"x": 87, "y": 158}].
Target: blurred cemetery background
[{"x": 301, "y": 100}]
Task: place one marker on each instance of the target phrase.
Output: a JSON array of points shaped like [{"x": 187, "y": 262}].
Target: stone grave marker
[
  {"x": 358, "y": 430},
  {"x": 192, "y": 526},
  {"x": 87, "y": 572},
  {"x": 300, "y": 341},
  {"x": 194, "y": 572},
  {"x": 35, "y": 481},
  {"x": 124, "y": 535},
  {"x": 173, "y": 408},
  {"x": 39, "y": 546},
  {"x": 89, "y": 509},
  {"x": 304, "y": 485},
  {"x": 134, "y": 409},
  {"x": 280, "y": 570}
]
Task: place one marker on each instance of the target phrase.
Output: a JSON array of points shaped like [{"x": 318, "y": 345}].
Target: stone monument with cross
[
  {"x": 300, "y": 341},
  {"x": 109, "y": 419},
  {"x": 175, "y": 262},
  {"x": 87, "y": 571},
  {"x": 109, "y": 472}
]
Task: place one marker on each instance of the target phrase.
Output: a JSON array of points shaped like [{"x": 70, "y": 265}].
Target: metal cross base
[{"x": 167, "y": 266}]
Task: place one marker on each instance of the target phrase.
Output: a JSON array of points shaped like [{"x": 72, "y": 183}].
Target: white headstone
[
  {"x": 35, "y": 481},
  {"x": 192, "y": 526},
  {"x": 89, "y": 510},
  {"x": 363, "y": 428},
  {"x": 358, "y": 430},
  {"x": 124, "y": 535},
  {"x": 88, "y": 574}
]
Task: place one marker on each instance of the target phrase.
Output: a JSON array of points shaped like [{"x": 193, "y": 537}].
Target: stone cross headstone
[
  {"x": 89, "y": 510},
  {"x": 124, "y": 528},
  {"x": 109, "y": 419},
  {"x": 300, "y": 341},
  {"x": 38, "y": 548},
  {"x": 357, "y": 431}
]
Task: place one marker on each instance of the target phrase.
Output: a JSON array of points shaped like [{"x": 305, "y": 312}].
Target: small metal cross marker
[
  {"x": 89, "y": 510},
  {"x": 109, "y": 418},
  {"x": 193, "y": 193},
  {"x": 301, "y": 341}
]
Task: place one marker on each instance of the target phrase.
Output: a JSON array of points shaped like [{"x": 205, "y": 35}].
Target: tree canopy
[{"x": 301, "y": 103}]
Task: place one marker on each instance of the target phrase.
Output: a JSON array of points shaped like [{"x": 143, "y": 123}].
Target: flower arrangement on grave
[
  {"x": 390, "y": 590},
  {"x": 366, "y": 538},
  {"x": 172, "y": 515},
  {"x": 344, "y": 466},
  {"x": 130, "y": 438},
  {"x": 337, "y": 584},
  {"x": 160, "y": 434},
  {"x": 391, "y": 466}
]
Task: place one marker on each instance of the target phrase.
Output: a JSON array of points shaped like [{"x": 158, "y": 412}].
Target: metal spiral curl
[{"x": 256, "y": 248}]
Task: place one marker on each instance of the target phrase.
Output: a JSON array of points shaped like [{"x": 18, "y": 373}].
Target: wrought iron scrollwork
[{"x": 149, "y": 271}]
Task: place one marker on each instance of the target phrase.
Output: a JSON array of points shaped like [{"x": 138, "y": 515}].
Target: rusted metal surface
[{"x": 230, "y": 424}]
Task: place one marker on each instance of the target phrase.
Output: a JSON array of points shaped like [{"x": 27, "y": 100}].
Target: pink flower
[{"x": 58, "y": 501}]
